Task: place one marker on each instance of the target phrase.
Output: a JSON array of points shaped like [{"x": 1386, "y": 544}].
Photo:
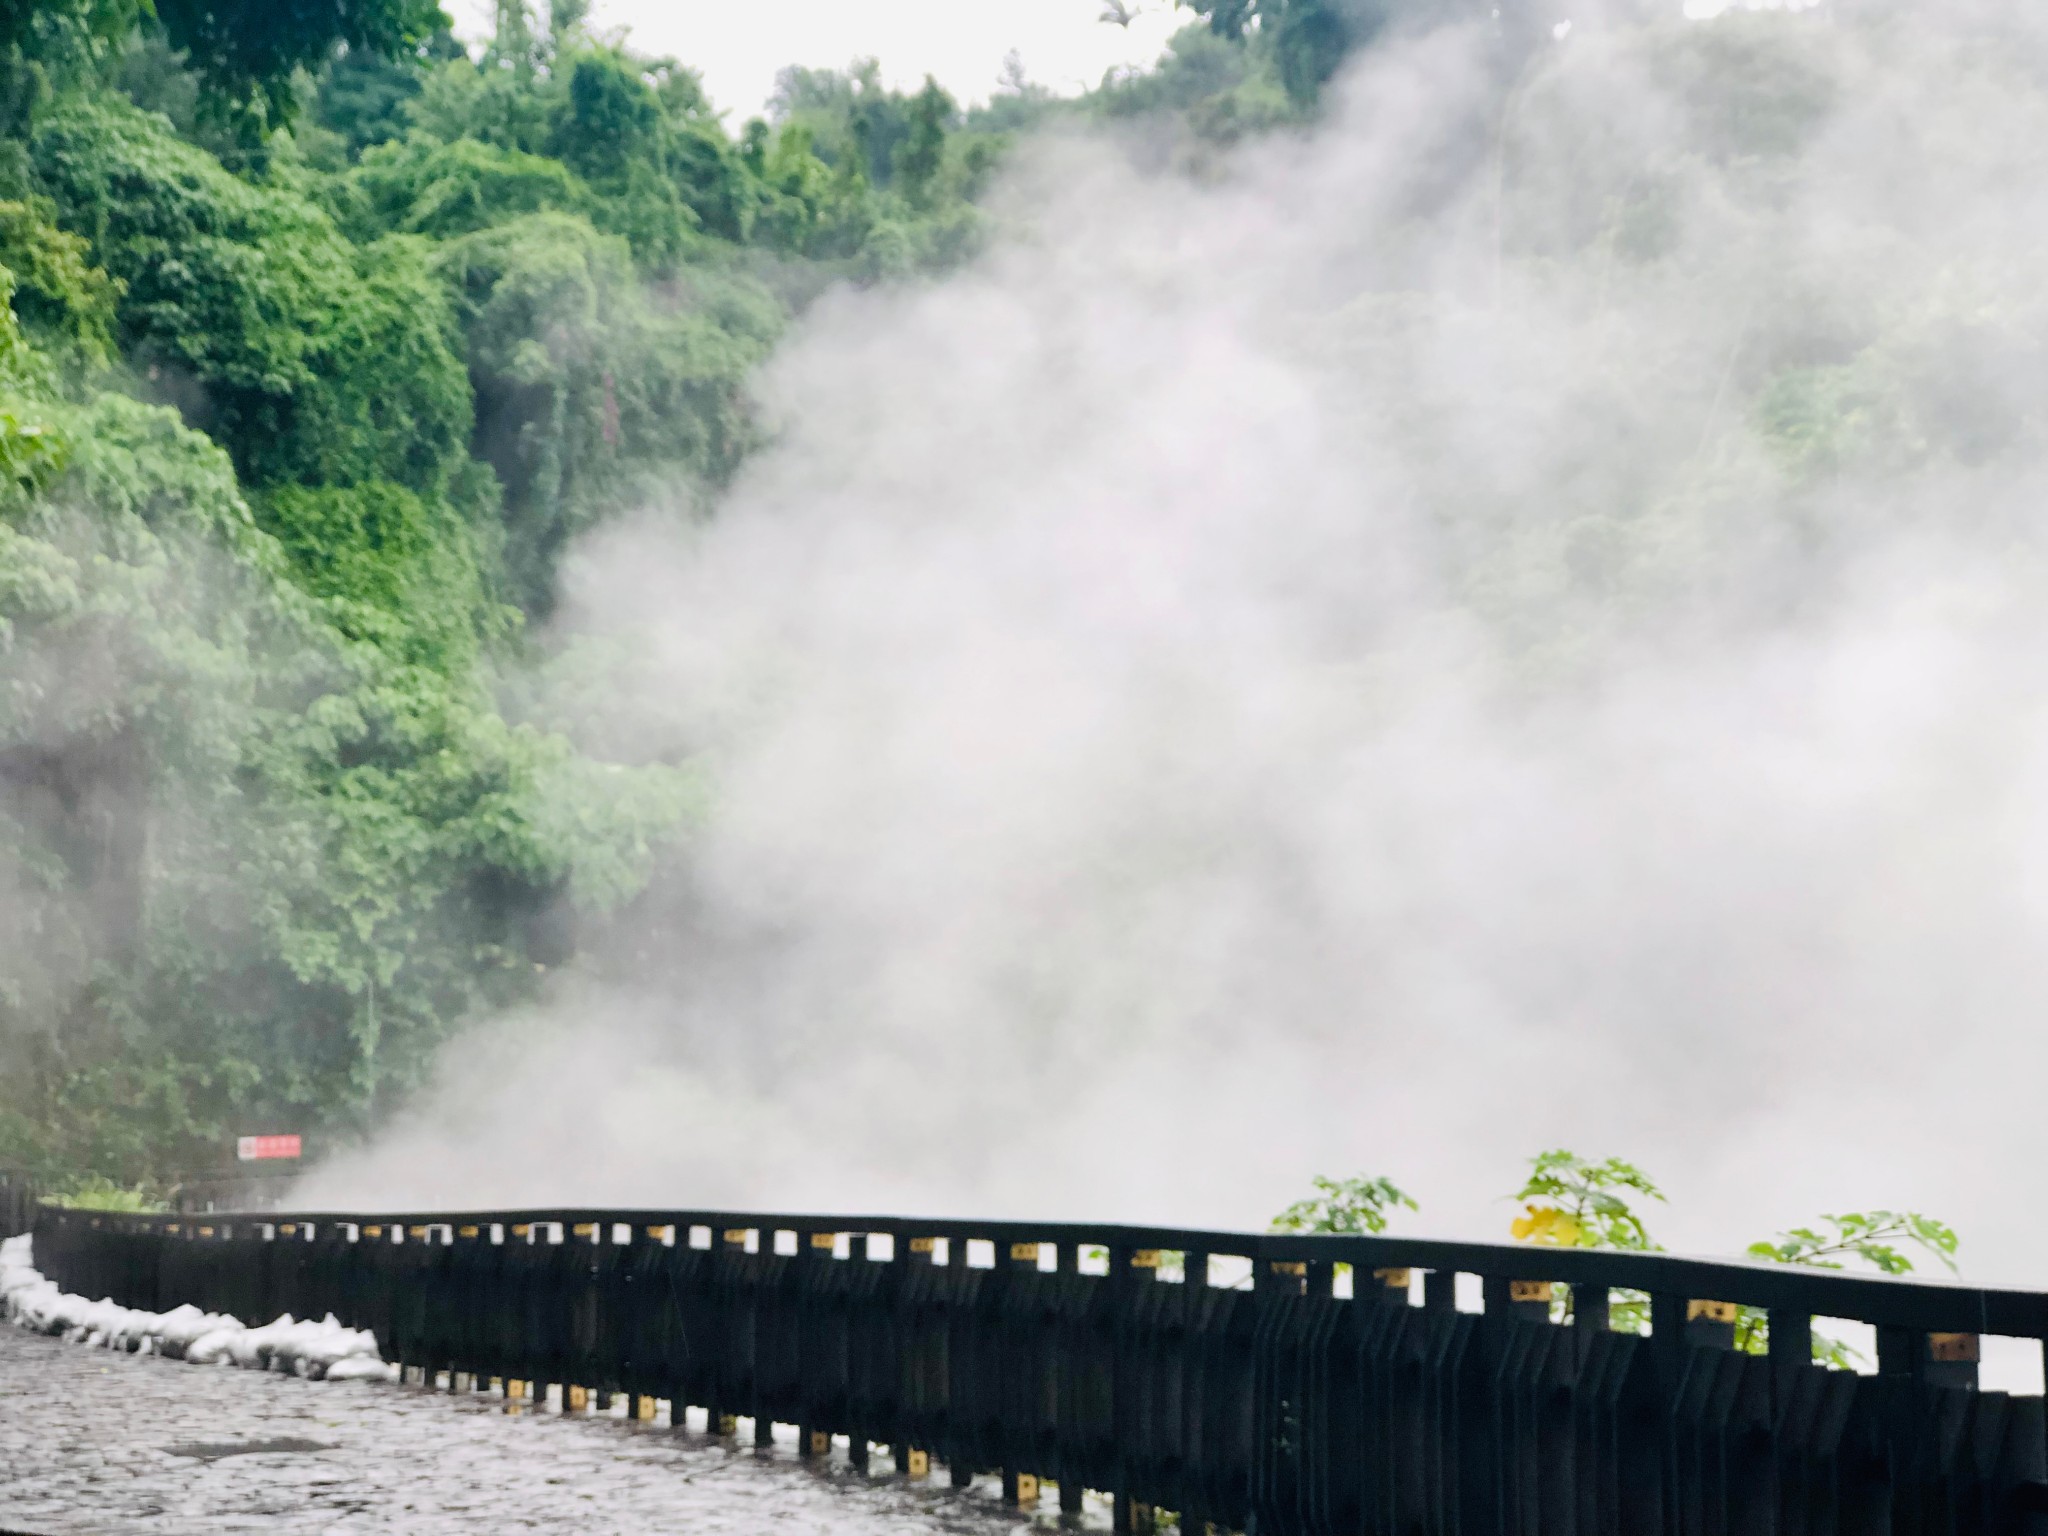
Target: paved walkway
[{"x": 122, "y": 1445}]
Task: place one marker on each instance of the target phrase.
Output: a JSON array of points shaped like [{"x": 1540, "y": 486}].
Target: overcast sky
[{"x": 739, "y": 47}]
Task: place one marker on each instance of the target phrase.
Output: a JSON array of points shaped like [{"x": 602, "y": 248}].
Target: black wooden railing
[
  {"x": 1268, "y": 1405},
  {"x": 18, "y": 1200}
]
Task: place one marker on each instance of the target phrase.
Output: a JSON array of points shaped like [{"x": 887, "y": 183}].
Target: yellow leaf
[{"x": 1546, "y": 1224}]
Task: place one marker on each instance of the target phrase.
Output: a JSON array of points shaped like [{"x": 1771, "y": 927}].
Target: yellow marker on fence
[
  {"x": 821, "y": 1442},
  {"x": 920, "y": 1466},
  {"x": 1145, "y": 1258},
  {"x": 206, "y": 1231},
  {"x": 522, "y": 1230},
  {"x": 1289, "y": 1267},
  {"x": 736, "y": 1236},
  {"x": 660, "y": 1234},
  {"x": 1027, "y": 1490},
  {"x": 575, "y": 1399},
  {"x": 1393, "y": 1279},
  {"x": 1953, "y": 1346},
  {"x": 1711, "y": 1311},
  {"x": 373, "y": 1231},
  {"x": 825, "y": 1240},
  {"x": 514, "y": 1391},
  {"x": 586, "y": 1229},
  {"x": 1534, "y": 1290},
  {"x": 465, "y": 1231},
  {"x": 289, "y": 1229},
  {"x": 1024, "y": 1253},
  {"x": 728, "y": 1424},
  {"x": 643, "y": 1409},
  {"x": 419, "y": 1232},
  {"x": 923, "y": 1244}
]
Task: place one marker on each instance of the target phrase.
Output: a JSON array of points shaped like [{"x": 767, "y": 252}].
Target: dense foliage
[
  {"x": 294, "y": 424},
  {"x": 1345, "y": 1205},
  {"x": 326, "y": 335},
  {"x": 1569, "y": 1201}
]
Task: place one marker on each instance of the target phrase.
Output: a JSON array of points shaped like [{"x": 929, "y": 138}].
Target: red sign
[{"x": 252, "y": 1148}]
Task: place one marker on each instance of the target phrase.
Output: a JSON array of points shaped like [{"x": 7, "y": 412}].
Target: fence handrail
[
  {"x": 1881, "y": 1300},
  {"x": 1281, "y": 1407}
]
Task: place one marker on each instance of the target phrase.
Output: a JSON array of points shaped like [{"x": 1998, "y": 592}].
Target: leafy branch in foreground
[
  {"x": 97, "y": 1193},
  {"x": 1878, "y": 1239},
  {"x": 1872, "y": 1236},
  {"x": 1571, "y": 1202},
  {"x": 1346, "y": 1205},
  {"x": 1584, "y": 1204}
]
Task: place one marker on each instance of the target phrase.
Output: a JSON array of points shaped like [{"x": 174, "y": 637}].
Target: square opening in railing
[
  {"x": 1230, "y": 1272},
  {"x": 622, "y": 1233},
  {"x": 1842, "y": 1344},
  {"x": 700, "y": 1237},
  {"x": 981, "y": 1253},
  {"x": 2010, "y": 1365},
  {"x": 1093, "y": 1259},
  {"x": 785, "y": 1243}
]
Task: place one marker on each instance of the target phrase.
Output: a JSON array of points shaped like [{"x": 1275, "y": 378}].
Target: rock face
[{"x": 319, "y": 1351}]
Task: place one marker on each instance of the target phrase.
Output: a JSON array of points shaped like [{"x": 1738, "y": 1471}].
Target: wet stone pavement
[{"x": 127, "y": 1445}]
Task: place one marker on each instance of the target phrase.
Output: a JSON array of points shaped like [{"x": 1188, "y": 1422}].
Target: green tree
[
  {"x": 425, "y": 186},
  {"x": 588, "y": 393},
  {"x": 36, "y": 25},
  {"x": 312, "y": 359},
  {"x": 1870, "y": 1237},
  {"x": 1358, "y": 1204},
  {"x": 611, "y": 129},
  {"x": 612, "y": 118},
  {"x": 1877, "y": 1240},
  {"x": 293, "y": 425},
  {"x": 922, "y": 154},
  {"x": 245, "y": 51},
  {"x": 366, "y": 98},
  {"x": 1571, "y": 1202},
  {"x": 1312, "y": 38},
  {"x": 62, "y": 300},
  {"x": 96, "y": 1192},
  {"x": 248, "y": 49}
]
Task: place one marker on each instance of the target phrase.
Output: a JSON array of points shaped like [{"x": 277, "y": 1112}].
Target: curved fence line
[{"x": 1069, "y": 1353}]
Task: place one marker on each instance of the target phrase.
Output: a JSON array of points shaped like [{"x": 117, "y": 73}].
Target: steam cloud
[{"x": 1486, "y": 627}]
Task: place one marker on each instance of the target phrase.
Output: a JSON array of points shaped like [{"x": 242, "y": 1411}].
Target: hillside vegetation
[
  {"x": 327, "y": 336},
  {"x": 309, "y": 374}
]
